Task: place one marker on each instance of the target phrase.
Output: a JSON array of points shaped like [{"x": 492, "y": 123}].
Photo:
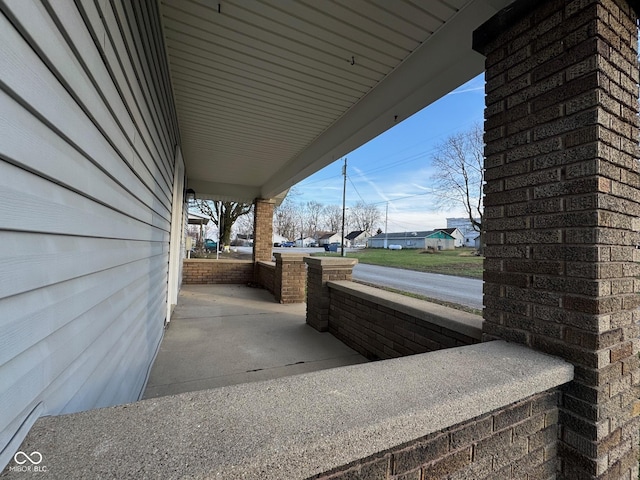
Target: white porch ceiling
[{"x": 267, "y": 92}]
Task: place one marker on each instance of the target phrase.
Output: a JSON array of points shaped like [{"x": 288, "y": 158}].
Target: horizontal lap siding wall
[
  {"x": 378, "y": 332},
  {"x": 87, "y": 143}
]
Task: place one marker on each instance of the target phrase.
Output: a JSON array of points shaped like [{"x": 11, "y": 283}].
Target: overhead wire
[
  {"x": 302, "y": 184},
  {"x": 402, "y": 160},
  {"x": 357, "y": 192},
  {"x": 393, "y": 164}
]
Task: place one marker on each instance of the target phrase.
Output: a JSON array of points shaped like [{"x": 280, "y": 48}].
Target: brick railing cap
[
  {"x": 331, "y": 261},
  {"x": 213, "y": 260},
  {"x": 290, "y": 257},
  {"x": 266, "y": 264},
  {"x": 297, "y": 426}
]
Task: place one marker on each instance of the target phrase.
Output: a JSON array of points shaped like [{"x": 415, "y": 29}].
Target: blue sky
[{"x": 397, "y": 164}]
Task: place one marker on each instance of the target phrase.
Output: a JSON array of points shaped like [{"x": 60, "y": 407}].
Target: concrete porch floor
[{"x": 223, "y": 335}]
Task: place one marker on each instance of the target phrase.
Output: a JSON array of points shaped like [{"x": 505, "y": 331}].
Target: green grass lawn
[{"x": 460, "y": 262}]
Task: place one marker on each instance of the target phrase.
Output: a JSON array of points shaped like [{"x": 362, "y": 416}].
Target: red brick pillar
[
  {"x": 561, "y": 212},
  {"x": 263, "y": 230},
  {"x": 290, "y": 278},
  {"x": 319, "y": 272}
]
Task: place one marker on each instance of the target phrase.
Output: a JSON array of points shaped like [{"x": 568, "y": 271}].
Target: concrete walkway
[{"x": 223, "y": 335}]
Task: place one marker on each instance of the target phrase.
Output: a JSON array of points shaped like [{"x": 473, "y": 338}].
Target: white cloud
[
  {"x": 467, "y": 90},
  {"x": 370, "y": 182},
  {"x": 405, "y": 220}
]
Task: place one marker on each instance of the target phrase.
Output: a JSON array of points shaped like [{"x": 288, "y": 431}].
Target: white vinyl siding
[{"x": 88, "y": 142}]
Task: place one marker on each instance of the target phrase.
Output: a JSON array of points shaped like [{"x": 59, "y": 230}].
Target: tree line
[
  {"x": 291, "y": 219},
  {"x": 295, "y": 220}
]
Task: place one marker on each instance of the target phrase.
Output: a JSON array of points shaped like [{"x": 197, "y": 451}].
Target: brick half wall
[
  {"x": 512, "y": 442},
  {"x": 204, "y": 271},
  {"x": 381, "y": 325},
  {"x": 266, "y": 275}
]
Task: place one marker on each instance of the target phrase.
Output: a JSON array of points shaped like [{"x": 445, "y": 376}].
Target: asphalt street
[{"x": 460, "y": 290}]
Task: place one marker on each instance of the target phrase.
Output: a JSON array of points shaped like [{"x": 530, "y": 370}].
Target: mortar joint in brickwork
[{"x": 576, "y": 146}]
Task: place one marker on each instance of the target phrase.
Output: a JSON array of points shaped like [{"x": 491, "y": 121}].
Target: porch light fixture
[{"x": 189, "y": 195}]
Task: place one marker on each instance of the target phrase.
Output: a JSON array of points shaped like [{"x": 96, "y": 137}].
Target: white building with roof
[{"x": 466, "y": 227}]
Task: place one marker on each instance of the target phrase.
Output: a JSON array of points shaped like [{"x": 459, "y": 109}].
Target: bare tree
[
  {"x": 244, "y": 224},
  {"x": 313, "y": 218},
  {"x": 364, "y": 216},
  {"x": 286, "y": 219},
  {"x": 459, "y": 177},
  {"x": 229, "y": 213},
  {"x": 333, "y": 217}
]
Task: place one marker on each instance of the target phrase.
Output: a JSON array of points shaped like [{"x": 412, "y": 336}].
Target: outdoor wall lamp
[{"x": 189, "y": 195}]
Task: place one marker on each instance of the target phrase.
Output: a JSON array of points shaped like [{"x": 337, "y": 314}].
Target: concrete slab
[{"x": 224, "y": 335}]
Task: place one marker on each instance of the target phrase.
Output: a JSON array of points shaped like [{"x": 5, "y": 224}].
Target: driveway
[{"x": 464, "y": 291}]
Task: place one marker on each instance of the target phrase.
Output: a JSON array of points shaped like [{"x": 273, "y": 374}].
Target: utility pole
[
  {"x": 219, "y": 231},
  {"x": 344, "y": 198},
  {"x": 386, "y": 232}
]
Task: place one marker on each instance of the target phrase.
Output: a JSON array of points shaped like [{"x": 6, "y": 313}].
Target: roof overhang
[{"x": 267, "y": 93}]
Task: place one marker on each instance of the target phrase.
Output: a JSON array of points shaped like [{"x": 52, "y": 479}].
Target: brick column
[
  {"x": 290, "y": 278},
  {"x": 561, "y": 212},
  {"x": 262, "y": 230},
  {"x": 319, "y": 272}
]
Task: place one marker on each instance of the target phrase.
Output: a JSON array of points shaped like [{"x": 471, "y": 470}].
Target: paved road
[{"x": 464, "y": 291}]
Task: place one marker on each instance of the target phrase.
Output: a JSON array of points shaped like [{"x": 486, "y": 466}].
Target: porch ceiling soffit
[
  {"x": 227, "y": 192},
  {"x": 269, "y": 92}
]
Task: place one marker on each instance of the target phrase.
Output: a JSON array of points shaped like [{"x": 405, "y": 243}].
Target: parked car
[
  {"x": 210, "y": 244},
  {"x": 287, "y": 244}
]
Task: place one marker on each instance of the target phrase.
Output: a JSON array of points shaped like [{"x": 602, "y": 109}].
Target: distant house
[
  {"x": 476, "y": 242},
  {"x": 357, "y": 237},
  {"x": 436, "y": 239},
  {"x": 201, "y": 221},
  {"x": 278, "y": 239},
  {"x": 466, "y": 227},
  {"x": 243, "y": 240},
  {"x": 470, "y": 238},
  {"x": 329, "y": 237},
  {"x": 197, "y": 219},
  {"x": 305, "y": 242},
  {"x": 456, "y": 234}
]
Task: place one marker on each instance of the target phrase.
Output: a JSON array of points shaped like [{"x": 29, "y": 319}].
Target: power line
[
  {"x": 403, "y": 198},
  {"x": 461, "y": 127},
  {"x": 393, "y": 164},
  {"x": 419, "y": 155},
  {"x": 357, "y": 192},
  {"x": 327, "y": 179}
]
